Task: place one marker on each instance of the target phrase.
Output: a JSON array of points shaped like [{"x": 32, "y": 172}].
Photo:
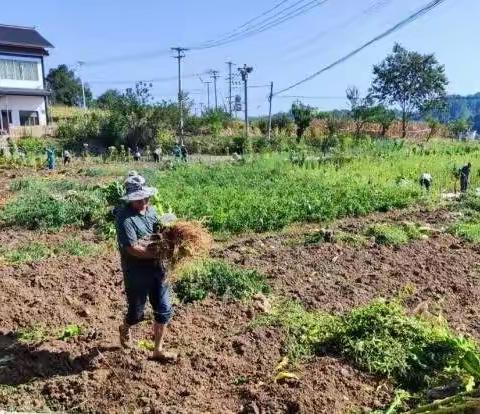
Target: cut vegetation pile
[{"x": 419, "y": 354}]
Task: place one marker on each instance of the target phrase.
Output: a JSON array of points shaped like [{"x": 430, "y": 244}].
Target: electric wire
[{"x": 410, "y": 19}]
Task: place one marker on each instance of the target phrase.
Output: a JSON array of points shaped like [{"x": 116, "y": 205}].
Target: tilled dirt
[{"x": 224, "y": 366}]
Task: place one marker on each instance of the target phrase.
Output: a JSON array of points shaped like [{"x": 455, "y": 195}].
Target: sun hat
[{"x": 136, "y": 190}]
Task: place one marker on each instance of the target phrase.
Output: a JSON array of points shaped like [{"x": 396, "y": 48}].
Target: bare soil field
[{"x": 225, "y": 366}]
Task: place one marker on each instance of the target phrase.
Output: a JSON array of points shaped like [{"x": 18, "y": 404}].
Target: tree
[
  {"x": 413, "y": 81},
  {"x": 384, "y": 117},
  {"x": 459, "y": 128},
  {"x": 303, "y": 115},
  {"x": 66, "y": 87},
  {"x": 110, "y": 99},
  {"x": 361, "y": 109}
]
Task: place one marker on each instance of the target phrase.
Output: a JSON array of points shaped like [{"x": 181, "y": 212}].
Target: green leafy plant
[
  {"x": 70, "y": 331},
  {"x": 219, "y": 278},
  {"x": 27, "y": 253},
  {"x": 382, "y": 339},
  {"x": 31, "y": 334},
  {"x": 76, "y": 247}
]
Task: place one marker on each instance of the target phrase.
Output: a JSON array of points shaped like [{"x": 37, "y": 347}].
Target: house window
[
  {"x": 29, "y": 118},
  {"x": 18, "y": 70},
  {"x": 7, "y": 116}
]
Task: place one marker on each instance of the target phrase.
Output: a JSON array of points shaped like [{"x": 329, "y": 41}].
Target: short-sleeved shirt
[{"x": 132, "y": 227}]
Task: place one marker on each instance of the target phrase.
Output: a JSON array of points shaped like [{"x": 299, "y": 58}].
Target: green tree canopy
[
  {"x": 303, "y": 115},
  {"x": 66, "y": 87},
  {"x": 413, "y": 81},
  {"x": 109, "y": 99}
]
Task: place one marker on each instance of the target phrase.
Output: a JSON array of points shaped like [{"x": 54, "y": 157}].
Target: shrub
[
  {"x": 39, "y": 209},
  {"x": 219, "y": 278}
]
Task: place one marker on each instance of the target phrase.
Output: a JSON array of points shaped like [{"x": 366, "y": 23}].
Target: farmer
[
  {"x": 464, "y": 175},
  {"x": 143, "y": 275},
  {"x": 137, "y": 155},
  {"x": 157, "y": 154},
  {"x": 51, "y": 158},
  {"x": 426, "y": 181},
  {"x": 177, "y": 151},
  {"x": 184, "y": 152},
  {"x": 67, "y": 158}
]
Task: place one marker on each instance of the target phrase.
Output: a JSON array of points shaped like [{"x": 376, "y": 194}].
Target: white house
[{"x": 23, "y": 94}]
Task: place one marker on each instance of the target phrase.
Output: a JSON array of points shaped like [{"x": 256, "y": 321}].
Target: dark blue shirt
[{"x": 131, "y": 228}]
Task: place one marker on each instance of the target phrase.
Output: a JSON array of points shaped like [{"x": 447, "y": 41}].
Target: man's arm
[{"x": 141, "y": 251}]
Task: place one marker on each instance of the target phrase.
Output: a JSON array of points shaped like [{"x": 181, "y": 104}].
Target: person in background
[
  {"x": 184, "y": 153},
  {"x": 177, "y": 152},
  {"x": 426, "y": 181},
  {"x": 137, "y": 155},
  {"x": 144, "y": 275},
  {"x": 50, "y": 158},
  {"x": 464, "y": 176},
  {"x": 67, "y": 158},
  {"x": 85, "y": 150},
  {"x": 157, "y": 154}
]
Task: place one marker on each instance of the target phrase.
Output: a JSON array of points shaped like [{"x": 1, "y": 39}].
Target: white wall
[
  {"x": 24, "y": 103},
  {"x": 9, "y": 83}
]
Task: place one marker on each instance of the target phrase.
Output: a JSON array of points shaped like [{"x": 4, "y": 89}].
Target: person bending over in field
[
  {"x": 426, "y": 181},
  {"x": 464, "y": 175},
  {"x": 143, "y": 275}
]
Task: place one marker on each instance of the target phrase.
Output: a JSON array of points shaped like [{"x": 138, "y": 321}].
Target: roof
[
  {"x": 24, "y": 92},
  {"x": 22, "y": 36}
]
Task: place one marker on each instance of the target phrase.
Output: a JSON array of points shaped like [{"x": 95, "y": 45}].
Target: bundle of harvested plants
[{"x": 180, "y": 242}]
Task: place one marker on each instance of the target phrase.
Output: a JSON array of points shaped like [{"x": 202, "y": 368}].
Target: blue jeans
[{"x": 142, "y": 283}]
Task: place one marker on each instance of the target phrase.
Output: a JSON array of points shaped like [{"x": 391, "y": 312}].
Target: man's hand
[{"x": 142, "y": 250}]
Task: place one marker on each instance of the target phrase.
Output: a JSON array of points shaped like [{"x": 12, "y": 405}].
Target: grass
[
  {"x": 28, "y": 253},
  {"x": 469, "y": 231},
  {"x": 395, "y": 234},
  {"x": 218, "y": 278},
  {"x": 382, "y": 339},
  {"x": 267, "y": 193},
  {"x": 36, "y": 251},
  {"x": 76, "y": 247}
]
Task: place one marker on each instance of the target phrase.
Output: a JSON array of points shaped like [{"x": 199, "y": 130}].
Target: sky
[{"x": 123, "y": 41}]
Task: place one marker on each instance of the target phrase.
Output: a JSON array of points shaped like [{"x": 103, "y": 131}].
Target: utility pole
[
  {"x": 84, "y": 102},
  {"x": 230, "y": 80},
  {"x": 180, "y": 55},
  {"x": 208, "y": 93},
  {"x": 270, "y": 98},
  {"x": 244, "y": 73},
  {"x": 215, "y": 76}
]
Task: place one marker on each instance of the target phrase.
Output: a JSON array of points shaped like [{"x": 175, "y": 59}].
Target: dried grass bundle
[{"x": 182, "y": 241}]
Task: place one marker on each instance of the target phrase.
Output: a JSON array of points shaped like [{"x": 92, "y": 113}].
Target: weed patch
[
  {"x": 32, "y": 334},
  {"x": 216, "y": 277},
  {"x": 69, "y": 331},
  {"x": 395, "y": 234},
  {"x": 466, "y": 230},
  {"x": 28, "y": 253},
  {"x": 76, "y": 247},
  {"x": 382, "y": 339}
]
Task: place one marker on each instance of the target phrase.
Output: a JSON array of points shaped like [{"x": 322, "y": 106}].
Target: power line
[
  {"x": 153, "y": 80},
  {"x": 266, "y": 24},
  {"x": 375, "y": 7},
  {"x": 424, "y": 10},
  {"x": 311, "y": 97}
]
